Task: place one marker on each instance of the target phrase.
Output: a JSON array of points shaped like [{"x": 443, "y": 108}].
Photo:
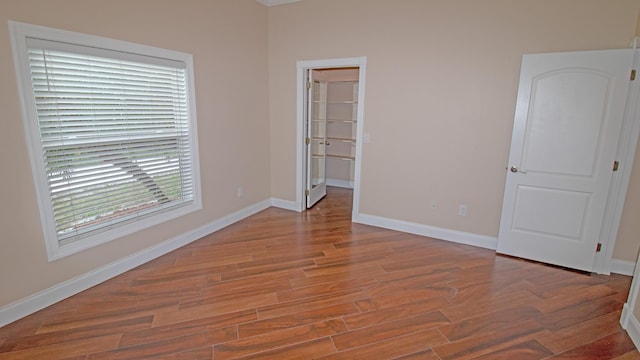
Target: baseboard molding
[
  {"x": 285, "y": 204},
  {"x": 340, "y": 183},
  {"x": 631, "y": 325},
  {"x": 623, "y": 267},
  {"x": 23, "y": 307},
  {"x": 460, "y": 237}
]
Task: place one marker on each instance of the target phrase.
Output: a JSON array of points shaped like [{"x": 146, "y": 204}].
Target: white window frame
[{"x": 20, "y": 32}]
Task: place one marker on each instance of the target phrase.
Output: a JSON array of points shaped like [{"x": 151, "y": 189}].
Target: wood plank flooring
[{"x": 283, "y": 285}]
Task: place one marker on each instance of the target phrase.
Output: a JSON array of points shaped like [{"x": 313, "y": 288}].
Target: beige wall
[
  {"x": 229, "y": 43},
  {"x": 441, "y": 84},
  {"x": 628, "y": 241}
]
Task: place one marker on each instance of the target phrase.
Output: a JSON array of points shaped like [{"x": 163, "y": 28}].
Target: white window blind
[{"x": 115, "y": 136}]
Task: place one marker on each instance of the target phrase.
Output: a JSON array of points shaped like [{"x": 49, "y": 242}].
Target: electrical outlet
[
  {"x": 462, "y": 210},
  {"x": 434, "y": 205},
  {"x": 240, "y": 191}
]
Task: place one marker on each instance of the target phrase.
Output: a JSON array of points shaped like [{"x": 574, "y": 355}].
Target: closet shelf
[
  {"x": 334, "y": 102},
  {"x": 341, "y": 139},
  {"x": 335, "y": 120},
  {"x": 341, "y": 120},
  {"x": 341, "y": 157}
]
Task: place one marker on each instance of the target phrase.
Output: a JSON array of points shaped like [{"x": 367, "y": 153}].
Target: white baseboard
[
  {"x": 623, "y": 267},
  {"x": 487, "y": 242},
  {"x": 23, "y": 307},
  {"x": 340, "y": 183},
  {"x": 631, "y": 325},
  {"x": 285, "y": 204}
]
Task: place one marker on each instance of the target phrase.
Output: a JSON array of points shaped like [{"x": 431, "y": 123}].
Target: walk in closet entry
[{"x": 332, "y": 104}]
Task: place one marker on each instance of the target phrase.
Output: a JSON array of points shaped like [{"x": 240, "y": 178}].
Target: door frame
[
  {"x": 302, "y": 66},
  {"x": 625, "y": 154}
]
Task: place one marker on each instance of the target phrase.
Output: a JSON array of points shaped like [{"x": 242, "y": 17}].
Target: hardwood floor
[{"x": 283, "y": 285}]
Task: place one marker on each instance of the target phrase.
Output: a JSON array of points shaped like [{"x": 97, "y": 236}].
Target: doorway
[{"x": 330, "y": 103}]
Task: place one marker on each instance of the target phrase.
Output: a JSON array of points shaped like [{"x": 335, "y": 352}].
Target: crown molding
[{"x": 275, "y": 2}]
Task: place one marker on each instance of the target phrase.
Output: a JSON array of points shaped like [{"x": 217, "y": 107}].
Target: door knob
[{"x": 514, "y": 169}]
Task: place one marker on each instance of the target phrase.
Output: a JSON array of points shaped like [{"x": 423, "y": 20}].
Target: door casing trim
[
  {"x": 625, "y": 155},
  {"x": 302, "y": 66}
]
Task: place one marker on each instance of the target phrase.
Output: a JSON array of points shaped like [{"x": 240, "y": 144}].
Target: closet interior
[{"x": 334, "y": 121}]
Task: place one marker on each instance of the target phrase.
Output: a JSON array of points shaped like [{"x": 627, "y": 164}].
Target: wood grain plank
[
  {"x": 421, "y": 355},
  {"x": 203, "y": 353},
  {"x": 97, "y": 313},
  {"x": 389, "y": 330},
  {"x": 277, "y": 339},
  {"x": 631, "y": 355},
  {"x": 356, "y": 273},
  {"x": 176, "y": 314},
  {"x": 485, "y": 343},
  {"x": 530, "y": 350},
  {"x": 392, "y": 348},
  {"x": 216, "y": 295},
  {"x": 371, "y": 318},
  {"x": 157, "y": 349},
  {"x": 488, "y": 322},
  {"x": 302, "y": 318},
  {"x": 167, "y": 334},
  {"x": 62, "y": 336},
  {"x": 307, "y": 350},
  {"x": 179, "y": 329},
  {"x": 574, "y": 298},
  {"x": 607, "y": 347},
  {"x": 579, "y": 313},
  {"x": 580, "y": 333},
  {"x": 486, "y": 304},
  {"x": 322, "y": 289},
  {"x": 65, "y": 350},
  {"x": 407, "y": 296},
  {"x": 181, "y": 272},
  {"x": 267, "y": 269},
  {"x": 321, "y": 301}
]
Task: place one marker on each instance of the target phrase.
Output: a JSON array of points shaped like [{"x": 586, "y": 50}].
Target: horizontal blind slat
[{"x": 115, "y": 137}]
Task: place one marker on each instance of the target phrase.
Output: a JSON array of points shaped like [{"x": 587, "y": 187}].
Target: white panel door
[
  {"x": 316, "y": 140},
  {"x": 566, "y": 128}
]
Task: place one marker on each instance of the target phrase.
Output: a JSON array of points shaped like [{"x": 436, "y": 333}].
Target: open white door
[
  {"x": 316, "y": 140},
  {"x": 567, "y": 124}
]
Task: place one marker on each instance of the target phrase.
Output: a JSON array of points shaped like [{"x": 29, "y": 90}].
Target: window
[{"x": 112, "y": 135}]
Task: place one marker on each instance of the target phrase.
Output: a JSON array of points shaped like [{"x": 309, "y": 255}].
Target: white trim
[
  {"x": 275, "y": 2},
  {"x": 340, "y": 183},
  {"x": 630, "y": 323},
  {"x": 23, "y": 307},
  {"x": 625, "y": 154},
  {"x": 284, "y": 204},
  {"x": 460, "y": 237},
  {"x": 622, "y": 267},
  {"x": 361, "y": 63}
]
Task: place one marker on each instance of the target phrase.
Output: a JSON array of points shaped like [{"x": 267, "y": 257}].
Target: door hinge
[
  {"x": 615, "y": 165},
  {"x": 307, "y": 141},
  {"x": 633, "y": 75},
  {"x": 309, "y": 84},
  {"x": 598, "y": 247},
  {"x": 306, "y": 193}
]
